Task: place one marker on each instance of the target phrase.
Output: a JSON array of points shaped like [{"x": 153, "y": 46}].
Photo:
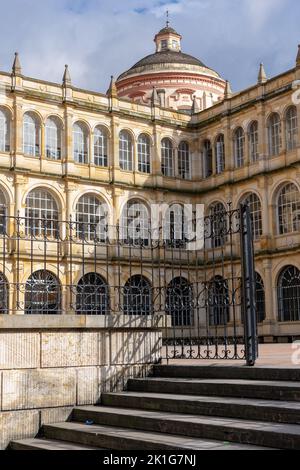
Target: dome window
[{"x": 164, "y": 44}]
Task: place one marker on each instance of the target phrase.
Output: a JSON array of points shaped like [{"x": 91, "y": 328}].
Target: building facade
[{"x": 65, "y": 152}]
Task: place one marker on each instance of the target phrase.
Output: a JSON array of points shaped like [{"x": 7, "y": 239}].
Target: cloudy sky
[{"x": 98, "y": 38}]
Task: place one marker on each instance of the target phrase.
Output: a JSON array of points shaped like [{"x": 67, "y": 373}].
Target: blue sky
[{"x": 98, "y": 38}]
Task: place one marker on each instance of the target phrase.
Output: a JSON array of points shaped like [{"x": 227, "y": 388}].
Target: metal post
[{"x": 248, "y": 286}]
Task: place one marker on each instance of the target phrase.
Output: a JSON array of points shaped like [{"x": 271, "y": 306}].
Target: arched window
[
  {"x": 289, "y": 209},
  {"x": 80, "y": 143},
  {"x": 207, "y": 159},
  {"x": 253, "y": 142},
  {"x": 291, "y": 123},
  {"x": 239, "y": 147},
  {"x": 3, "y": 214},
  {"x": 4, "y": 131},
  {"x": 42, "y": 294},
  {"x": 288, "y": 291},
  {"x": 260, "y": 298},
  {"x": 137, "y": 297},
  {"x": 125, "y": 151},
  {"x": 92, "y": 296},
  {"x": 41, "y": 214},
  {"x": 4, "y": 304},
  {"x": 135, "y": 224},
  {"x": 91, "y": 218},
  {"x": 53, "y": 138},
  {"x": 218, "y": 301},
  {"x": 254, "y": 204},
  {"x": 179, "y": 302},
  {"x": 274, "y": 134},
  {"x": 31, "y": 135},
  {"x": 220, "y": 154},
  {"x": 184, "y": 164},
  {"x": 100, "y": 147},
  {"x": 219, "y": 224},
  {"x": 144, "y": 153},
  {"x": 167, "y": 157},
  {"x": 174, "y": 226}
]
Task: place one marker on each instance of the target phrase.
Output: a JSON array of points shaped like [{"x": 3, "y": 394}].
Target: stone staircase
[{"x": 187, "y": 408}]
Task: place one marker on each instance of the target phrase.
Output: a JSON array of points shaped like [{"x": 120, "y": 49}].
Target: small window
[
  {"x": 164, "y": 44},
  {"x": 53, "y": 138},
  {"x": 144, "y": 153},
  {"x": 100, "y": 147},
  {"x": 80, "y": 143},
  {"x": 184, "y": 164},
  {"x": 31, "y": 135},
  {"x": 174, "y": 44},
  {"x": 125, "y": 151},
  {"x": 274, "y": 135},
  {"x": 4, "y": 131},
  {"x": 239, "y": 147},
  {"x": 167, "y": 158}
]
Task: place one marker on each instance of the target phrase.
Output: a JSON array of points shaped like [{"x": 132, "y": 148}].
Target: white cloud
[{"x": 98, "y": 38}]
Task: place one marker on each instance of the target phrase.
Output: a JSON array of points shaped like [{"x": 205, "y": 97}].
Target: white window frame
[
  {"x": 288, "y": 209},
  {"x": 253, "y": 138},
  {"x": 144, "y": 154},
  {"x": 100, "y": 147},
  {"x": 53, "y": 138},
  {"x": 41, "y": 214},
  {"x": 125, "y": 151},
  {"x": 274, "y": 135},
  {"x": 184, "y": 160},
  {"x": 291, "y": 122},
  {"x": 220, "y": 154},
  {"x": 239, "y": 147},
  {"x": 91, "y": 218},
  {"x": 4, "y": 131},
  {"x": 80, "y": 143},
  {"x": 167, "y": 157},
  {"x": 31, "y": 135}
]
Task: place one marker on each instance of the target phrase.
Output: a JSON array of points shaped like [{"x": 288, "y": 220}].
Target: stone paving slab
[
  {"x": 205, "y": 399},
  {"x": 157, "y": 440},
  {"x": 48, "y": 444}
]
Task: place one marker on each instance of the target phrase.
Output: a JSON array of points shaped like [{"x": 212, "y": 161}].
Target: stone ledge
[{"x": 57, "y": 322}]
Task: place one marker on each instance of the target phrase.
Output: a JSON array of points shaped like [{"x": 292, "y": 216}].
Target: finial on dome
[{"x": 168, "y": 19}]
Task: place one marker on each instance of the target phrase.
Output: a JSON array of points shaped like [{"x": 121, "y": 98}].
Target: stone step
[
  {"x": 224, "y": 371},
  {"x": 46, "y": 444},
  {"x": 283, "y": 436},
  {"x": 118, "y": 438},
  {"x": 284, "y": 391},
  {"x": 244, "y": 408}
]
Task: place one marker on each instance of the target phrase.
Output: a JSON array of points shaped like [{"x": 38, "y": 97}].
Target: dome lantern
[
  {"x": 177, "y": 76},
  {"x": 167, "y": 39}
]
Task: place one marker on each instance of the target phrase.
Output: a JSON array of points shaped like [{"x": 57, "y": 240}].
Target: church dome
[
  {"x": 163, "y": 57},
  {"x": 180, "y": 79}
]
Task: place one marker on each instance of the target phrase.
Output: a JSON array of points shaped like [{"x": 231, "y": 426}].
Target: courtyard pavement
[{"x": 270, "y": 355}]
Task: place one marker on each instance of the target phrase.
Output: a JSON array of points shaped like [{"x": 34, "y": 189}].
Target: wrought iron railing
[{"x": 57, "y": 267}]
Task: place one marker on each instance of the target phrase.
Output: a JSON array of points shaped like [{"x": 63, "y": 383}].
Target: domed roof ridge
[{"x": 165, "y": 57}]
